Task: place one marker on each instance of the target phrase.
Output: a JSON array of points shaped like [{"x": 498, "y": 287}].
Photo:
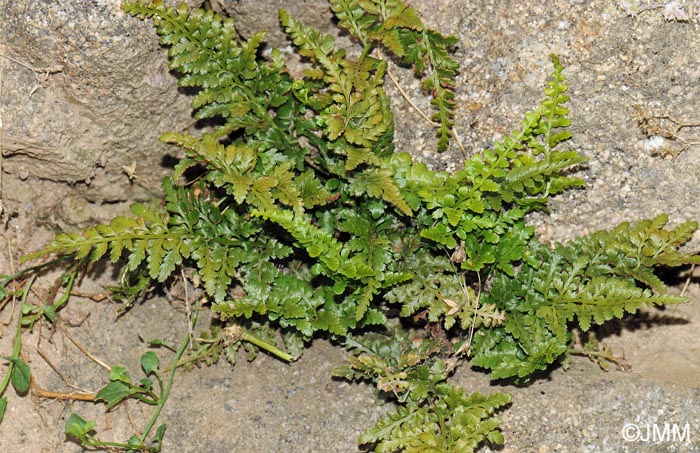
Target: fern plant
[{"x": 306, "y": 220}]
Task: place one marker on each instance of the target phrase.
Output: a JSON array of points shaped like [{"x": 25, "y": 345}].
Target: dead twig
[
  {"x": 74, "y": 396},
  {"x": 43, "y": 72},
  {"x": 97, "y": 297},
  {"x": 82, "y": 348},
  {"x": 417, "y": 109},
  {"x": 58, "y": 372},
  {"x": 687, "y": 280}
]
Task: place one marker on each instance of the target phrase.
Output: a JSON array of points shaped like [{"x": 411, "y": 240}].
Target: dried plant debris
[
  {"x": 675, "y": 10},
  {"x": 664, "y": 132}
]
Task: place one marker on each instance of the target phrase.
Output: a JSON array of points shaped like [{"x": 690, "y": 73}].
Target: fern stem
[
  {"x": 427, "y": 286},
  {"x": 32, "y": 269},
  {"x": 444, "y": 432},
  {"x": 58, "y": 248},
  {"x": 367, "y": 48},
  {"x": 274, "y": 350}
]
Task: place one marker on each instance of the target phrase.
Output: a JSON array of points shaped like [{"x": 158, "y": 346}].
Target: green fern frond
[
  {"x": 319, "y": 243},
  {"x": 544, "y": 177},
  {"x": 243, "y": 173},
  {"x": 484, "y": 204},
  {"x": 542, "y": 131},
  {"x": 219, "y": 242},
  {"x": 432, "y": 282},
  {"x": 601, "y": 300},
  {"x": 354, "y": 18},
  {"x": 554, "y": 114},
  {"x": 145, "y": 236},
  {"x": 401, "y": 430},
  {"x": 289, "y": 300},
  {"x": 433, "y": 289},
  {"x": 206, "y": 52},
  {"x": 588, "y": 280},
  {"x": 398, "y": 27},
  {"x": 379, "y": 183},
  {"x": 356, "y": 115},
  {"x": 428, "y": 52},
  {"x": 649, "y": 243},
  {"x": 376, "y": 20},
  {"x": 506, "y": 356},
  {"x": 433, "y": 415},
  {"x": 393, "y": 14}
]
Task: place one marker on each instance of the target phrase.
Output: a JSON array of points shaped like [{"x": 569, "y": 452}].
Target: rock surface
[{"x": 85, "y": 92}]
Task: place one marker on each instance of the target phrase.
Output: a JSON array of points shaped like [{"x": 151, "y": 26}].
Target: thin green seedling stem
[
  {"x": 17, "y": 348},
  {"x": 245, "y": 336},
  {"x": 171, "y": 376},
  {"x": 69, "y": 287},
  {"x": 32, "y": 269},
  {"x": 94, "y": 442},
  {"x": 160, "y": 382},
  {"x": 152, "y": 401}
]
